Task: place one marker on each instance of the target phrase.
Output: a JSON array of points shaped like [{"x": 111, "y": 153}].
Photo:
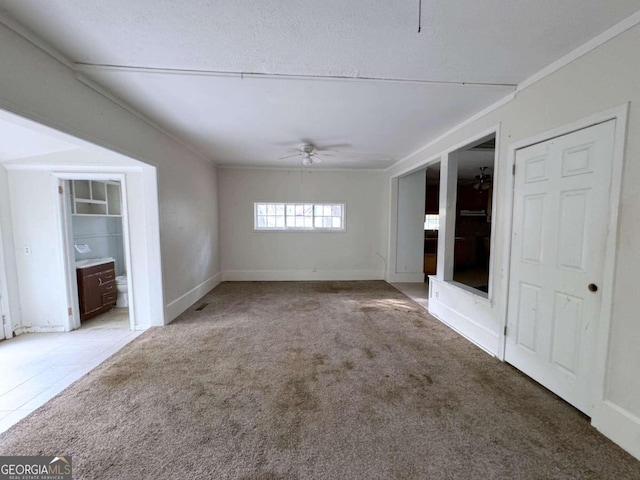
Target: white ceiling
[{"x": 490, "y": 46}]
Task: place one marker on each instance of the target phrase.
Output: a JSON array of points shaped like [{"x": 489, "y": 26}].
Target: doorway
[
  {"x": 559, "y": 242},
  {"x": 95, "y": 236},
  {"x": 431, "y": 219}
]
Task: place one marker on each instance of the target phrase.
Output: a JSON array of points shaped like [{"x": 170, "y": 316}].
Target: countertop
[{"x": 92, "y": 262}]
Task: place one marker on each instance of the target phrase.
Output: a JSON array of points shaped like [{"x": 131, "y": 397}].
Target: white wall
[
  {"x": 35, "y": 85},
  {"x": 36, "y": 221},
  {"x": 352, "y": 255},
  {"x": 103, "y": 236},
  {"x": 606, "y": 77},
  {"x": 409, "y": 264}
]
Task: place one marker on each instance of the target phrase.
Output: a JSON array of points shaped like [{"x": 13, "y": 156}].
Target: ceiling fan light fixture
[{"x": 483, "y": 181}]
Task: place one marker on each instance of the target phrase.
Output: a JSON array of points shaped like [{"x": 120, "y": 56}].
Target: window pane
[{"x": 297, "y": 216}]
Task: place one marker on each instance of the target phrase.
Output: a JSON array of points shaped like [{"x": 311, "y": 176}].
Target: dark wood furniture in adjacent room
[{"x": 96, "y": 289}]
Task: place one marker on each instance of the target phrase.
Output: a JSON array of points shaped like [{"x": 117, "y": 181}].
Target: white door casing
[
  {"x": 560, "y": 226},
  {"x": 5, "y": 325}
]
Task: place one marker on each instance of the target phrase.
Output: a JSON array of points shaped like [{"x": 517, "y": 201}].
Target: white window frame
[{"x": 343, "y": 217}]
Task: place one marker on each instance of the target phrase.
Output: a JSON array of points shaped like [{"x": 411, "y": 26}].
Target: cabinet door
[{"x": 91, "y": 294}]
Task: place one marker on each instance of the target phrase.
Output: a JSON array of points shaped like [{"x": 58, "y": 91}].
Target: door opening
[
  {"x": 431, "y": 219},
  {"x": 98, "y": 259}
]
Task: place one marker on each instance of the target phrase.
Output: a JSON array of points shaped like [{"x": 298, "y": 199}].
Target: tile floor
[
  {"x": 35, "y": 367},
  {"x": 418, "y": 292}
]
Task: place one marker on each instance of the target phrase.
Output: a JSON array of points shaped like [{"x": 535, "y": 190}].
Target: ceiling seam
[
  {"x": 597, "y": 41},
  {"x": 47, "y": 48},
  {"x": 94, "y": 67}
]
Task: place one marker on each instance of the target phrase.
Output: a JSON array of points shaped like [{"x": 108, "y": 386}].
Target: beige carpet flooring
[{"x": 335, "y": 380}]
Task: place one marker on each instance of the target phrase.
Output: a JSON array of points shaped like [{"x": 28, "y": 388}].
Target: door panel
[{"x": 561, "y": 208}]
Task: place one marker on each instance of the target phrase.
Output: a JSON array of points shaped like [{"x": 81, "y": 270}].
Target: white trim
[
  {"x": 598, "y": 383},
  {"x": 582, "y": 50},
  {"x": 619, "y": 425},
  {"x": 47, "y": 48},
  {"x": 69, "y": 263},
  {"x": 121, "y": 103},
  {"x": 464, "y": 326},
  {"x": 297, "y": 169},
  {"x": 299, "y": 275},
  {"x": 313, "y": 229},
  {"x": 174, "y": 308},
  {"x": 405, "y": 277},
  {"x": 35, "y": 39},
  {"x": 450, "y": 132},
  {"x": 40, "y": 329},
  {"x": 97, "y": 67},
  {"x": 88, "y": 168},
  {"x": 7, "y": 331}
]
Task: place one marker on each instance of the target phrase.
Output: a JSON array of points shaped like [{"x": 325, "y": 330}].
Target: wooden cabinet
[{"x": 96, "y": 289}]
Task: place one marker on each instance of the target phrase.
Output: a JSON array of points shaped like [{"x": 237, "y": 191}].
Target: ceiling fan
[
  {"x": 483, "y": 181},
  {"x": 308, "y": 153}
]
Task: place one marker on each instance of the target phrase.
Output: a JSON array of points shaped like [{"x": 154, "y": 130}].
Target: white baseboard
[
  {"x": 619, "y": 425},
  {"x": 180, "y": 304},
  {"x": 476, "y": 334},
  {"x": 39, "y": 329},
  {"x": 406, "y": 277},
  {"x": 299, "y": 275}
]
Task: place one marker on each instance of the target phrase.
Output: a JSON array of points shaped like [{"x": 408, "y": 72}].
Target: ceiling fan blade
[
  {"x": 289, "y": 156},
  {"x": 334, "y": 147}
]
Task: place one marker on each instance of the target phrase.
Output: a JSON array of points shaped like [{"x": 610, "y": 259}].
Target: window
[
  {"x": 299, "y": 216},
  {"x": 431, "y": 222}
]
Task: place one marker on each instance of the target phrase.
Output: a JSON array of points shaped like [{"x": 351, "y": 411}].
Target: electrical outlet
[
  {"x": 404, "y": 268},
  {"x": 314, "y": 269},
  {"x": 27, "y": 249}
]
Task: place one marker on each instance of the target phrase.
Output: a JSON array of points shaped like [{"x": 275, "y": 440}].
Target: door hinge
[
  {"x": 60, "y": 189},
  {"x": 4, "y": 320},
  {"x": 505, "y": 330},
  {"x": 513, "y": 169},
  {"x": 70, "y": 310}
]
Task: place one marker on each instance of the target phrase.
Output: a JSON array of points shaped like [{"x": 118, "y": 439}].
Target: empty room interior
[{"x": 335, "y": 239}]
